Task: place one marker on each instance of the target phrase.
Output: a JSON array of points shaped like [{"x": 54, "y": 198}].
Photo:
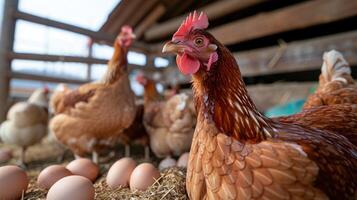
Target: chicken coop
[{"x": 113, "y": 55}]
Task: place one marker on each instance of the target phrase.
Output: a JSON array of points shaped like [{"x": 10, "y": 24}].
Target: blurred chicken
[
  {"x": 26, "y": 122},
  {"x": 96, "y": 114},
  {"x": 336, "y": 85},
  {"x": 170, "y": 124},
  {"x": 57, "y": 100},
  {"x": 171, "y": 92},
  {"x": 56, "y": 106}
]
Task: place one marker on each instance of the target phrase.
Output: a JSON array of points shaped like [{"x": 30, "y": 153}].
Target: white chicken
[{"x": 26, "y": 122}]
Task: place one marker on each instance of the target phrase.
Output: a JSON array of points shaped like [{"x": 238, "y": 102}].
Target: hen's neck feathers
[
  {"x": 222, "y": 98},
  {"x": 117, "y": 65},
  {"x": 151, "y": 94}
]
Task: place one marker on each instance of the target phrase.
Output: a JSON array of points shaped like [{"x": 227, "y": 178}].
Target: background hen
[
  {"x": 169, "y": 123},
  {"x": 336, "y": 85},
  {"x": 98, "y": 113},
  {"x": 57, "y": 100},
  {"x": 334, "y": 105},
  {"x": 237, "y": 153},
  {"x": 26, "y": 122},
  {"x": 136, "y": 134}
]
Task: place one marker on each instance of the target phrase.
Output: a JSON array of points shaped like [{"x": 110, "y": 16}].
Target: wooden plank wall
[{"x": 297, "y": 56}]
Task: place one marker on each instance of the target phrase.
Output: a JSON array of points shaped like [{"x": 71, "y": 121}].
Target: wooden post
[
  {"x": 90, "y": 55},
  {"x": 6, "y": 45},
  {"x": 150, "y": 61}
]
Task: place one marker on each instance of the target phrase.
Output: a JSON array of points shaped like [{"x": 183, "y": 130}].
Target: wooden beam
[
  {"x": 149, "y": 20},
  {"x": 99, "y": 36},
  {"x": 297, "y": 56},
  {"x": 145, "y": 7},
  {"x": 25, "y": 76},
  {"x": 213, "y": 10},
  {"x": 298, "y": 16},
  {"x": 180, "y": 7},
  {"x": 89, "y": 65},
  {"x": 59, "y": 58},
  {"x": 6, "y": 44},
  {"x": 125, "y": 15},
  {"x": 56, "y": 58},
  {"x": 119, "y": 8}
]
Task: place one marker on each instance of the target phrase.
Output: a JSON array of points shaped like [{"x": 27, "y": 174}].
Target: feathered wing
[
  {"x": 231, "y": 170},
  {"x": 334, "y": 155},
  {"x": 336, "y": 119}
]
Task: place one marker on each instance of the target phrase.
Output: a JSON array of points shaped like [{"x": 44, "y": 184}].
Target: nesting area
[{"x": 171, "y": 184}]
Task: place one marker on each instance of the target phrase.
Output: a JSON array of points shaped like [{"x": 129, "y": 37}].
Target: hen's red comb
[
  {"x": 140, "y": 78},
  {"x": 193, "y": 21}
]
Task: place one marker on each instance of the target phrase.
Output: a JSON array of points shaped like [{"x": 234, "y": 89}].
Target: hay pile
[{"x": 171, "y": 185}]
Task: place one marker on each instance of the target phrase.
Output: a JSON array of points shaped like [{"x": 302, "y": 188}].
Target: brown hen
[
  {"x": 236, "y": 152},
  {"x": 96, "y": 114}
]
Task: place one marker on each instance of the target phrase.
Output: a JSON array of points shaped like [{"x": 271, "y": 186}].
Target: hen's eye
[{"x": 199, "y": 41}]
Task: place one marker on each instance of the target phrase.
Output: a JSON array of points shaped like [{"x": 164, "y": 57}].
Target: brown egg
[
  {"x": 84, "y": 167},
  {"x": 71, "y": 187},
  {"x": 13, "y": 182},
  {"x": 167, "y": 163},
  {"x": 143, "y": 176},
  {"x": 183, "y": 160},
  {"x": 50, "y": 175},
  {"x": 5, "y": 155},
  {"x": 119, "y": 173}
]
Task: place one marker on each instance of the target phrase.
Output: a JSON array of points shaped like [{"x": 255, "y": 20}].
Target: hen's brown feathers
[
  {"x": 334, "y": 155},
  {"x": 74, "y": 97},
  {"x": 339, "y": 119}
]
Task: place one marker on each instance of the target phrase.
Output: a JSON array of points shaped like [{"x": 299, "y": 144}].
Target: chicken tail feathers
[{"x": 335, "y": 67}]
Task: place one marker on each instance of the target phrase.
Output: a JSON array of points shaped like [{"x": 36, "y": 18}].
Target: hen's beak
[{"x": 171, "y": 47}]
